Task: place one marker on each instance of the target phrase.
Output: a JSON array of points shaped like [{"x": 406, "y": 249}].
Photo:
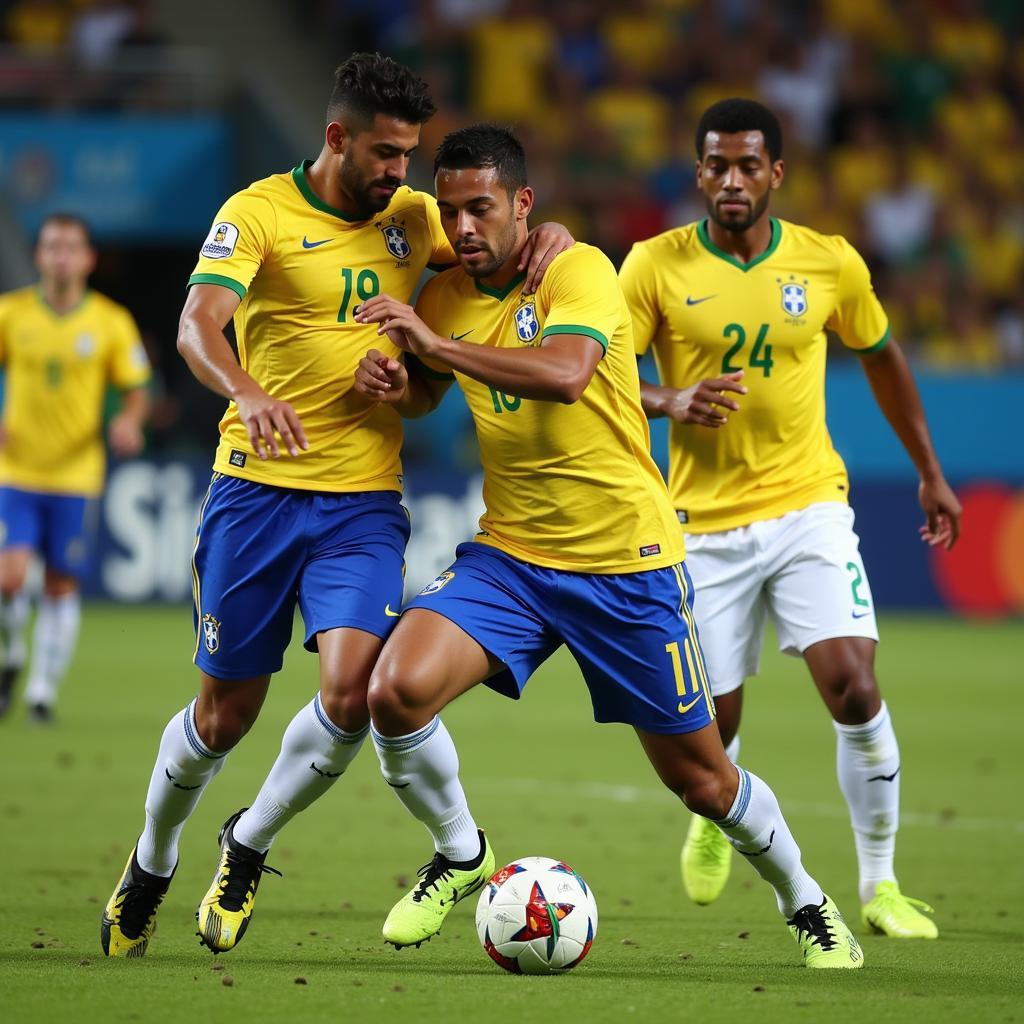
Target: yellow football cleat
[
  {"x": 705, "y": 861},
  {"x": 129, "y": 918},
  {"x": 891, "y": 913},
  {"x": 419, "y": 914},
  {"x": 821, "y": 933},
  {"x": 226, "y": 909}
]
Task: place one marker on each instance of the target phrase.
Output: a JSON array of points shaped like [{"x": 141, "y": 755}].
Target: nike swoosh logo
[
  {"x": 763, "y": 850},
  {"x": 697, "y": 302},
  {"x": 683, "y": 708},
  {"x": 306, "y": 244},
  {"x": 177, "y": 785},
  {"x": 396, "y": 785},
  {"x": 390, "y": 613},
  {"x": 459, "y": 337},
  {"x": 860, "y": 615},
  {"x": 326, "y": 774},
  {"x": 885, "y": 778}
]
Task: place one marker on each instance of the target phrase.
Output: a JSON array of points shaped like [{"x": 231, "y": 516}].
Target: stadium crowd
[{"x": 901, "y": 120}]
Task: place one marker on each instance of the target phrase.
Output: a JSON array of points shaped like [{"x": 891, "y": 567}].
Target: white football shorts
[{"x": 804, "y": 569}]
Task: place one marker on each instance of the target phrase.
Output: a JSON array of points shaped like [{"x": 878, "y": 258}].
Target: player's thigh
[
  {"x": 818, "y": 588},
  {"x": 428, "y": 661},
  {"x": 69, "y": 529},
  {"x": 353, "y": 575},
  {"x": 729, "y": 604},
  {"x": 635, "y": 640},
  {"x": 497, "y": 602},
  {"x": 250, "y": 546},
  {"x": 21, "y": 531}
]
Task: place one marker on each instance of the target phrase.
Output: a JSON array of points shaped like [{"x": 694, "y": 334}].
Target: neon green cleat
[
  {"x": 898, "y": 916},
  {"x": 129, "y": 918},
  {"x": 226, "y": 909},
  {"x": 821, "y": 933},
  {"x": 419, "y": 914},
  {"x": 706, "y": 861}
]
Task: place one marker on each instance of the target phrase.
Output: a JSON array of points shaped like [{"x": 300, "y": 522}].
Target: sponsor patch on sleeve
[{"x": 221, "y": 241}]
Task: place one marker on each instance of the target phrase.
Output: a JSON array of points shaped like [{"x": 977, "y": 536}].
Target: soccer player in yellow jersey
[
  {"x": 61, "y": 345},
  {"x": 735, "y": 308},
  {"x": 305, "y": 502},
  {"x": 578, "y": 545}
]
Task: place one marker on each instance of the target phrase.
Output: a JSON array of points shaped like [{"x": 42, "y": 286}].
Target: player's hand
[
  {"x": 265, "y": 418},
  {"x": 706, "y": 404},
  {"x": 942, "y": 512},
  {"x": 543, "y": 244},
  {"x": 125, "y": 435},
  {"x": 399, "y": 322},
  {"x": 381, "y": 378}
]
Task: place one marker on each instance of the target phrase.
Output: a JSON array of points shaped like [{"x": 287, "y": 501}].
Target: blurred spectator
[
  {"x": 99, "y": 29},
  {"x": 898, "y": 218},
  {"x": 37, "y": 26}
]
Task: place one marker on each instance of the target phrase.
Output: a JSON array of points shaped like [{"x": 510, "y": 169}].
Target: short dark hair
[
  {"x": 741, "y": 115},
  {"x": 368, "y": 84},
  {"x": 484, "y": 145},
  {"x": 67, "y": 219}
]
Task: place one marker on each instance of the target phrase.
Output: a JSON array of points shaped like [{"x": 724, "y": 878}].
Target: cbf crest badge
[
  {"x": 435, "y": 585},
  {"x": 527, "y": 324},
  {"x": 211, "y": 633},
  {"x": 794, "y": 297},
  {"x": 396, "y": 242}
]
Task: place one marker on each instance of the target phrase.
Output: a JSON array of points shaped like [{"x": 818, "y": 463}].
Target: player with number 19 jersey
[
  {"x": 301, "y": 268},
  {"x": 706, "y": 314}
]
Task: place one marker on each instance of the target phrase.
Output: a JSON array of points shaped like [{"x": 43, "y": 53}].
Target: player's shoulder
[
  {"x": 446, "y": 282},
  {"x": 264, "y": 190},
  {"x": 581, "y": 261},
  {"x": 806, "y": 239},
  {"x": 20, "y": 298},
  {"x": 109, "y": 311},
  {"x": 674, "y": 242}
]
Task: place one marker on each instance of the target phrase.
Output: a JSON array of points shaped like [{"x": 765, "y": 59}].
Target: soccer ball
[{"x": 536, "y": 916}]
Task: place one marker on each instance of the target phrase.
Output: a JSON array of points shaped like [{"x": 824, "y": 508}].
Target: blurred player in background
[
  {"x": 305, "y": 501},
  {"x": 62, "y": 345},
  {"x": 736, "y": 307},
  {"x": 579, "y": 545}
]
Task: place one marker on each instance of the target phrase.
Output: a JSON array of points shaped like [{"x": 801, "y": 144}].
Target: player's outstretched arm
[
  {"x": 897, "y": 396},
  {"x": 125, "y": 430},
  {"x": 543, "y": 244},
  {"x": 558, "y": 371},
  {"x": 381, "y": 378},
  {"x": 705, "y": 404},
  {"x": 204, "y": 347}
]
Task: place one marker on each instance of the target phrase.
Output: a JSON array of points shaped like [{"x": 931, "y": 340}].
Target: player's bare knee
[
  {"x": 345, "y": 705},
  {"x": 853, "y": 695},
  {"x": 222, "y": 723},
  {"x": 399, "y": 697},
  {"x": 709, "y": 794}
]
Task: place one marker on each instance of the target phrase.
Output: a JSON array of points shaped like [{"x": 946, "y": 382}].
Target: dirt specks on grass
[
  {"x": 227, "y": 981},
  {"x": 300, "y": 981}
]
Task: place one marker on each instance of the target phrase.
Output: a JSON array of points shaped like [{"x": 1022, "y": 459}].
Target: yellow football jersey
[
  {"x": 301, "y": 268},
  {"x": 707, "y": 314},
  {"x": 58, "y": 368},
  {"x": 565, "y": 486}
]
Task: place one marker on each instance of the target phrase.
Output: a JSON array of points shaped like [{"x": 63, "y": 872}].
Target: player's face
[
  {"x": 480, "y": 218},
  {"x": 63, "y": 254},
  {"x": 375, "y": 161},
  {"x": 737, "y": 177}
]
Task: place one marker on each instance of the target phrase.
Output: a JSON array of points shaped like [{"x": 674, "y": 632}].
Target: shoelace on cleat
[
  {"x": 139, "y": 900},
  {"x": 431, "y": 874},
  {"x": 707, "y": 844},
  {"x": 243, "y": 875},
  {"x": 811, "y": 921}
]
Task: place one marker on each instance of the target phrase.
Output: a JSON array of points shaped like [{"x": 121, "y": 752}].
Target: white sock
[
  {"x": 868, "y": 766},
  {"x": 184, "y": 766},
  {"x": 13, "y": 616},
  {"x": 757, "y": 830},
  {"x": 314, "y": 753},
  {"x": 423, "y": 770},
  {"x": 53, "y": 644},
  {"x": 732, "y": 751}
]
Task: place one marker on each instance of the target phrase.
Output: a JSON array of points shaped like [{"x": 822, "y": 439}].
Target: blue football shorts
[
  {"x": 61, "y": 527},
  {"x": 261, "y": 549},
  {"x": 632, "y": 634}
]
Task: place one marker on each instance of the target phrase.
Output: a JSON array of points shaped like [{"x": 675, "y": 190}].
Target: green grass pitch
[{"x": 544, "y": 779}]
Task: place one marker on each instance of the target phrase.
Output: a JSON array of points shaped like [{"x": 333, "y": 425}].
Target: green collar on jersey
[
  {"x": 67, "y": 312},
  {"x": 702, "y": 234},
  {"x": 502, "y": 293},
  {"x": 302, "y": 184}
]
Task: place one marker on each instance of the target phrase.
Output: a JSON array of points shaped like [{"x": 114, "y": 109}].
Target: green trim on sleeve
[
  {"x": 588, "y": 332},
  {"x": 429, "y": 371},
  {"x": 224, "y": 282},
  {"x": 878, "y": 345}
]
